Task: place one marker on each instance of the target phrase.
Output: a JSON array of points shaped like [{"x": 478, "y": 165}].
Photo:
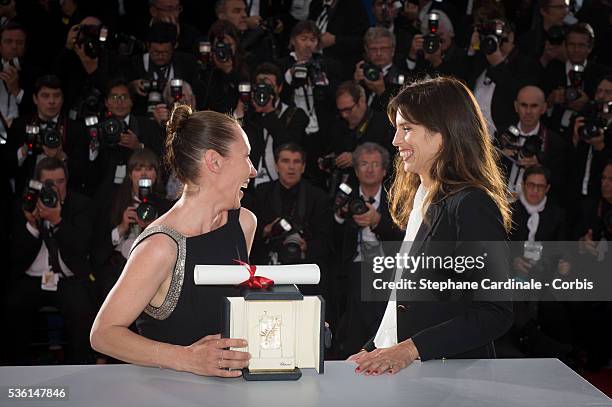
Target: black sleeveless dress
[{"x": 190, "y": 312}]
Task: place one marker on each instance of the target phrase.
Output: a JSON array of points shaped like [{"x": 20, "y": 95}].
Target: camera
[
  {"x": 37, "y": 137},
  {"x": 153, "y": 99},
  {"x": 30, "y": 195},
  {"x": 572, "y": 92},
  {"x": 91, "y": 124},
  {"x": 88, "y": 37},
  {"x": 32, "y": 138},
  {"x": 431, "y": 41},
  {"x": 204, "y": 48},
  {"x": 151, "y": 85},
  {"x": 269, "y": 24},
  {"x": 111, "y": 129},
  {"x": 176, "y": 89},
  {"x": 371, "y": 71},
  {"x": 490, "y": 35},
  {"x": 327, "y": 163},
  {"x": 47, "y": 194},
  {"x": 222, "y": 51},
  {"x": 123, "y": 44},
  {"x": 593, "y": 119},
  {"x": 263, "y": 94},
  {"x": 300, "y": 74},
  {"x": 556, "y": 35},
  {"x": 146, "y": 211},
  {"x": 286, "y": 236},
  {"x": 511, "y": 139},
  {"x": 91, "y": 103},
  {"x": 356, "y": 205}
]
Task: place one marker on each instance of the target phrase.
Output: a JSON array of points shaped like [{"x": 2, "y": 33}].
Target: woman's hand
[
  {"x": 390, "y": 360},
  {"x": 208, "y": 357}
]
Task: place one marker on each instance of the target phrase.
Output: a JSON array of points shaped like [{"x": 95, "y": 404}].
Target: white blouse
[{"x": 387, "y": 331}]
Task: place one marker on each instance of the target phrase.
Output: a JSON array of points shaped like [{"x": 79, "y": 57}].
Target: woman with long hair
[{"x": 447, "y": 188}]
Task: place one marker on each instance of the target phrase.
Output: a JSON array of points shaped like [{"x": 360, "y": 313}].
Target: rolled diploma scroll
[{"x": 233, "y": 275}]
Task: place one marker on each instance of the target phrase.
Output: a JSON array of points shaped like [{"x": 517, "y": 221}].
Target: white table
[{"x": 453, "y": 383}]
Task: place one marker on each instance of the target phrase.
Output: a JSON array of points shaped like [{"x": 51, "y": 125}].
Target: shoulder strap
[{"x": 178, "y": 274}]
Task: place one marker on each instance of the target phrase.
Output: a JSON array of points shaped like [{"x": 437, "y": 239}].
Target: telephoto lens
[
  {"x": 48, "y": 196},
  {"x": 146, "y": 211}
]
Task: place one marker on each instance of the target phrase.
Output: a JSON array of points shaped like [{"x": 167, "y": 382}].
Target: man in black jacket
[
  {"x": 50, "y": 264},
  {"x": 355, "y": 233},
  {"x": 268, "y": 122},
  {"x": 291, "y": 200},
  {"x": 377, "y": 73},
  {"x": 153, "y": 70},
  {"x": 547, "y": 148},
  {"x": 496, "y": 77}
]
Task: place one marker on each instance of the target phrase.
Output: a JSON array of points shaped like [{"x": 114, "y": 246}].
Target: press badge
[
  {"x": 120, "y": 172},
  {"x": 49, "y": 281}
]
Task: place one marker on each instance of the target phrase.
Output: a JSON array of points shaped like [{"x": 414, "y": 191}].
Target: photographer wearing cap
[
  {"x": 571, "y": 84},
  {"x": 362, "y": 221},
  {"x": 268, "y": 122},
  {"x": 224, "y": 68},
  {"x": 137, "y": 202},
  {"x": 534, "y": 145},
  {"x": 376, "y": 72},
  {"x": 294, "y": 217},
  {"x": 497, "y": 70},
  {"x": 50, "y": 249},
  {"x": 150, "y": 72},
  {"x": 591, "y": 143}
]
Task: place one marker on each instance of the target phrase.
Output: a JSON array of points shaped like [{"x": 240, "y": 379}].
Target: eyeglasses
[
  {"x": 347, "y": 109},
  {"x": 381, "y": 50},
  {"x": 364, "y": 164},
  {"x": 535, "y": 187},
  {"x": 122, "y": 97}
]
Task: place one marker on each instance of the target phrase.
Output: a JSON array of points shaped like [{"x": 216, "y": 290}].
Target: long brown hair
[{"x": 467, "y": 157}]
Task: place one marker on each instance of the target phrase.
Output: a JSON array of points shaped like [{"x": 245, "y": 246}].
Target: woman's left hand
[{"x": 390, "y": 360}]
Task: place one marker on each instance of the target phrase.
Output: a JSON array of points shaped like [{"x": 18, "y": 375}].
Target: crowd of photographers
[{"x": 87, "y": 90}]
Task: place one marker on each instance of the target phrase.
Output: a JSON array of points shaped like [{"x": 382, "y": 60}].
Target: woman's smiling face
[{"x": 417, "y": 146}]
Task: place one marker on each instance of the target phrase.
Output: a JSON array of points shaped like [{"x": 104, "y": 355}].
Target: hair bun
[{"x": 177, "y": 117}]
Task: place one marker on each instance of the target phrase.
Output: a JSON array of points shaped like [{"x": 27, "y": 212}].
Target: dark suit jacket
[
  {"x": 552, "y": 225},
  {"x": 73, "y": 237},
  {"x": 460, "y": 328},
  {"x": 509, "y": 77}
]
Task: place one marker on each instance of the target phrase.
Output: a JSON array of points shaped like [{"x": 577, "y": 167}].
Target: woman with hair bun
[{"x": 178, "y": 322}]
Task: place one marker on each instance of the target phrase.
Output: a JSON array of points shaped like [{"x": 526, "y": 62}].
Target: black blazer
[{"x": 460, "y": 328}]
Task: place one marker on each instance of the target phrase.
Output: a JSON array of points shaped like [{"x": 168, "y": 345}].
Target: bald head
[{"x": 530, "y": 104}]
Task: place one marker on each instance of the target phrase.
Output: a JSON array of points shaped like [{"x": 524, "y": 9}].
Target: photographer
[
  {"x": 50, "y": 244},
  {"x": 224, "y": 70},
  {"x": 377, "y": 73},
  {"x": 497, "y": 71},
  {"x": 434, "y": 52},
  {"x": 45, "y": 134},
  {"x": 268, "y": 122},
  {"x": 537, "y": 42},
  {"x": 148, "y": 73},
  {"x": 395, "y": 17},
  {"x": 367, "y": 228},
  {"x": 591, "y": 144},
  {"x": 169, "y": 11},
  {"x": 541, "y": 328},
  {"x": 257, "y": 35},
  {"x": 356, "y": 125},
  {"x": 535, "y": 145},
  {"x": 300, "y": 207},
  {"x": 134, "y": 205},
  {"x": 83, "y": 63},
  {"x": 17, "y": 78},
  {"x": 310, "y": 81},
  {"x": 572, "y": 83}
]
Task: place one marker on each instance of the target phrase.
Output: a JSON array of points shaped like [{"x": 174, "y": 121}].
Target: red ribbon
[{"x": 254, "y": 281}]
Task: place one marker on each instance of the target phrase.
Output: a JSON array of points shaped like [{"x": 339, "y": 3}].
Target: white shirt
[
  {"x": 386, "y": 336},
  {"x": 303, "y": 98},
  {"x": 41, "y": 263},
  {"x": 145, "y": 60},
  {"x": 21, "y": 157},
  {"x": 266, "y": 161},
  {"x": 299, "y": 9},
  {"x": 483, "y": 92},
  {"x": 8, "y": 102},
  {"x": 366, "y": 233}
]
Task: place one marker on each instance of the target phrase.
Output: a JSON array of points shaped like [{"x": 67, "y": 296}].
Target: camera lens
[
  {"x": 48, "y": 196},
  {"x": 357, "y": 207}
]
